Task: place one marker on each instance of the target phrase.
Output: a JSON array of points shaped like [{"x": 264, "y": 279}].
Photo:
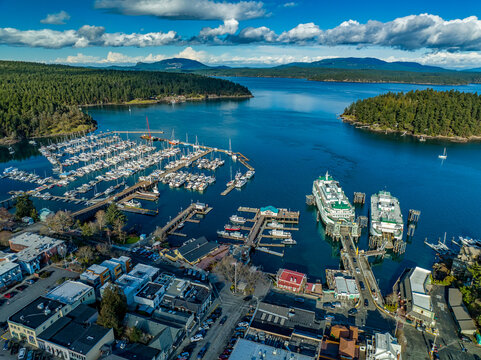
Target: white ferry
[{"x": 386, "y": 216}]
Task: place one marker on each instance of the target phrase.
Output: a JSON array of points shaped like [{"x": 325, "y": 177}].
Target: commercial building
[
  {"x": 383, "y": 347},
  {"x": 413, "y": 290},
  {"x": 150, "y": 295},
  {"x": 70, "y": 340},
  {"x": 345, "y": 288},
  {"x": 10, "y": 273},
  {"x": 73, "y": 293},
  {"x": 245, "y": 349},
  {"x": 27, "y": 323},
  {"x": 194, "y": 250},
  {"x": 460, "y": 314},
  {"x": 291, "y": 280},
  {"x": 188, "y": 296}
]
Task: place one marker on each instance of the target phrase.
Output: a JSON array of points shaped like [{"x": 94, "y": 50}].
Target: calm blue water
[{"x": 291, "y": 133}]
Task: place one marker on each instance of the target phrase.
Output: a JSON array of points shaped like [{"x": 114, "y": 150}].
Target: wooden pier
[
  {"x": 185, "y": 215},
  {"x": 228, "y": 190},
  {"x": 359, "y": 198},
  {"x": 268, "y": 251},
  {"x": 414, "y": 216}
]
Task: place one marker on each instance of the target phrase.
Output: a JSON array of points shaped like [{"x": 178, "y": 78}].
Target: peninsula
[
  {"x": 451, "y": 115},
  {"x": 43, "y": 100}
]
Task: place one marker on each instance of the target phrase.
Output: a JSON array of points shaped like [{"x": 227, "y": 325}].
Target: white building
[
  {"x": 73, "y": 293},
  {"x": 246, "y": 349},
  {"x": 345, "y": 288},
  {"x": 383, "y": 347}
]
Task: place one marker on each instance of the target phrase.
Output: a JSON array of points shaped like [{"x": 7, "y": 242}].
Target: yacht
[
  {"x": 230, "y": 227},
  {"x": 280, "y": 233},
  {"x": 237, "y": 219},
  {"x": 289, "y": 241},
  {"x": 444, "y": 156}
]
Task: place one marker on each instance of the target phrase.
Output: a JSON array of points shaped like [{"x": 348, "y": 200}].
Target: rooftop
[
  {"x": 40, "y": 242},
  {"x": 150, "y": 290},
  {"x": 69, "y": 292},
  {"x": 291, "y": 276},
  {"x": 6, "y": 266},
  {"x": 195, "y": 249},
  {"x": 97, "y": 269},
  {"x": 245, "y": 349},
  {"x": 144, "y": 271},
  {"x": 37, "y": 312}
]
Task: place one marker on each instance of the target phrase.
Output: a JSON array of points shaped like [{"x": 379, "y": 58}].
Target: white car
[
  {"x": 196, "y": 338},
  {"x": 243, "y": 324},
  {"x": 21, "y": 354}
]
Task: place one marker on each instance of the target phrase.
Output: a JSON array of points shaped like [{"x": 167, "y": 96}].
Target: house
[
  {"x": 414, "y": 287},
  {"x": 10, "y": 273},
  {"x": 291, "y": 280},
  {"x": 342, "y": 343},
  {"x": 460, "y": 314},
  {"x": 194, "y": 250},
  {"x": 96, "y": 275},
  {"x": 246, "y": 349},
  {"x": 383, "y": 347},
  {"x": 269, "y": 211},
  {"x": 27, "y": 323},
  {"x": 73, "y": 293},
  {"x": 71, "y": 340}
]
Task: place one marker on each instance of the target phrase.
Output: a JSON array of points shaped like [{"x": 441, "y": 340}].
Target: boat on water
[
  {"x": 222, "y": 233},
  {"x": 230, "y": 227},
  {"x": 236, "y": 235},
  {"x": 441, "y": 247},
  {"x": 230, "y": 183},
  {"x": 386, "y": 216},
  {"x": 275, "y": 225},
  {"x": 240, "y": 183},
  {"x": 133, "y": 203},
  {"x": 470, "y": 242},
  {"x": 250, "y": 174},
  {"x": 235, "y": 219},
  {"x": 332, "y": 203},
  {"x": 280, "y": 233},
  {"x": 11, "y": 150},
  {"x": 444, "y": 156},
  {"x": 289, "y": 241},
  {"x": 32, "y": 142},
  {"x": 181, "y": 225},
  {"x": 422, "y": 139}
]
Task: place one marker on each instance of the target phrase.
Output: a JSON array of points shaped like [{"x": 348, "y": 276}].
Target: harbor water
[{"x": 291, "y": 133}]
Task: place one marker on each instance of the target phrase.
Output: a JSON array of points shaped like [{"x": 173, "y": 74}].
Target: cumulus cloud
[
  {"x": 87, "y": 35},
  {"x": 289, "y": 4},
  {"x": 409, "y": 33},
  {"x": 56, "y": 19},
  {"x": 260, "y": 34},
  {"x": 230, "y": 26},
  {"x": 186, "y": 9},
  {"x": 455, "y": 60},
  {"x": 301, "y": 33}
]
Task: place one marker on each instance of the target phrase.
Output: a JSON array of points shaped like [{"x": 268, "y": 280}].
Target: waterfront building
[
  {"x": 10, "y": 273},
  {"x": 413, "y": 288},
  {"x": 386, "y": 217},
  {"x": 291, "y": 280},
  {"x": 193, "y": 251}
]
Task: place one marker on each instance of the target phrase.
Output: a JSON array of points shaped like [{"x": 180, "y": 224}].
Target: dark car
[
  {"x": 21, "y": 287},
  {"x": 202, "y": 351},
  {"x": 362, "y": 285},
  {"x": 366, "y": 302},
  {"x": 248, "y": 298},
  {"x": 223, "y": 320},
  {"x": 352, "y": 311}
]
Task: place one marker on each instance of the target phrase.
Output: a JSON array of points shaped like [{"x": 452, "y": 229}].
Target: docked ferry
[
  {"x": 332, "y": 203},
  {"x": 386, "y": 216}
]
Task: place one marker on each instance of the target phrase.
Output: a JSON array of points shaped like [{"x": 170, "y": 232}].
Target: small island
[
  {"x": 450, "y": 115},
  {"x": 38, "y": 100}
]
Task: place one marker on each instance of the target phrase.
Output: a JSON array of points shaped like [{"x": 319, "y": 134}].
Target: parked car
[
  {"x": 21, "y": 354},
  {"x": 30, "y": 281},
  {"x": 362, "y": 285},
  {"x": 197, "y": 337},
  {"x": 243, "y": 324},
  {"x": 202, "y": 351},
  {"x": 223, "y": 320},
  {"x": 21, "y": 287},
  {"x": 366, "y": 302},
  {"x": 352, "y": 311},
  {"x": 30, "y": 355},
  {"x": 5, "y": 345},
  {"x": 10, "y": 295}
]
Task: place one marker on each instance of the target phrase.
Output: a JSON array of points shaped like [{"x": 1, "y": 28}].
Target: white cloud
[
  {"x": 87, "y": 35},
  {"x": 230, "y": 26},
  {"x": 56, "y": 19},
  {"x": 289, "y": 4},
  {"x": 301, "y": 33},
  {"x": 186, "y": 9},
  {"x": 259, "y": 34},
  {"x": 456, "y": 60}
]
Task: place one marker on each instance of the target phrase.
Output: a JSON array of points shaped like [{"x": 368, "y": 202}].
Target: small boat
[
  {"x": 444, "y": 156},
  {"x": 230, "y": 227},
  {"x": 32, "y": 142},
  {"x": 237, "y": 219},
  {"x": 133, "y": 203},
  {"x": 240, "y": 183},
  {"x": 230, "y": 183},
  {"x": 222, "y": 233},
  {"x": 280, "y": 233},
  {"x": 289, "y": 241},
  {"x": 11, "y": 150},
  {"x": 422, "y": 139},
  {"x": 275, "y": 225},
  {"x": 180, "y": 226}
]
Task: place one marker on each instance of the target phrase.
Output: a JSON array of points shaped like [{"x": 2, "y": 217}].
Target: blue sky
[{"x": 240, "y": 33}]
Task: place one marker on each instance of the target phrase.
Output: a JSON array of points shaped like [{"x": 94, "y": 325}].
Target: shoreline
[
  {"x": 362, "y": 126},
  {"x": 169, "y": 99}
]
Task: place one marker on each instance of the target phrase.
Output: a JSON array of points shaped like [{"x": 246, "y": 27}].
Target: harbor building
[
  {"x": 291, "y": 280},
  {"x": 10, "y": 273},
  {"x": 387, "y": 225},
  {"x": 334, "y": 208},
  {"x": 345, "y": 288},
  {"x": 413, "y": 289},
  {"x": 193, "y": 251}
]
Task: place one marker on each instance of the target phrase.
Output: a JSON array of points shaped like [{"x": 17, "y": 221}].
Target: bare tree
[
  {"x": 101, "y": 220},
  {"x": 61, "y": 222}
]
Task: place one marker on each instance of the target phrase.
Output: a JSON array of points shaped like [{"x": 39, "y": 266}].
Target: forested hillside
[
  {"x": 427, "y": 112},
  {"x": 38, "y": 99}
]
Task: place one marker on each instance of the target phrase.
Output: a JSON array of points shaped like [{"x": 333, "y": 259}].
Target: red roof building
[{"x": 291, "y": 280}]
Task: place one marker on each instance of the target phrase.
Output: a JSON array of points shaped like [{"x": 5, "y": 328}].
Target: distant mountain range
[{"x": 350, "y": 63}]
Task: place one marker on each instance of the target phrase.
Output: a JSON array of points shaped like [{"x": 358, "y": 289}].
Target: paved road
[{"x": 40, "y": 287}]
